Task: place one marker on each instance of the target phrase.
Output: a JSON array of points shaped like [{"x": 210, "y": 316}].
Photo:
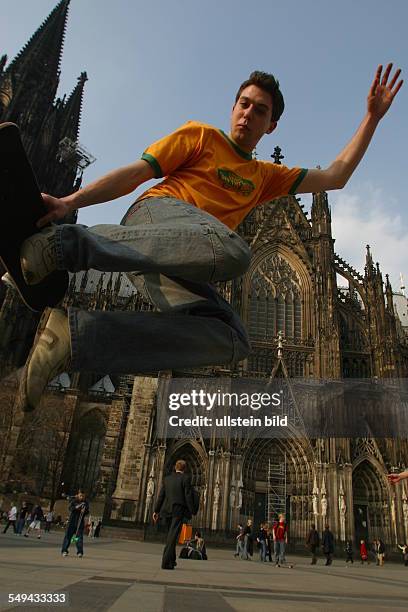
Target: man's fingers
[
  {"x": 394, "y": 78},
  {"x": 373, "y": 87},
  {"x": 398, "y": 87},
  {"x": 386, "y": 75}
]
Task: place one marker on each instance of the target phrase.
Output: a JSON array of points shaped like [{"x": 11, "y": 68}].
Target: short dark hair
[{"x": 268, "y": 83}]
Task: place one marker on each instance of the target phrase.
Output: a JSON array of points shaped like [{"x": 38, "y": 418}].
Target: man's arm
[
  {"x": 379, "y": 100},
  {"x": 159, "y": 504},
  {"x": 395, "y": 478},
  {"x": 113, "y": 185}
]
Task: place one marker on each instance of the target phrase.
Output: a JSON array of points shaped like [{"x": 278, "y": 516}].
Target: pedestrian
[
  {"x": 328, "y": 544},
  {"x": 349, "y": 552},
  {"x": 175, "y": 504},
  {"x": 363, "y": 553},
  {"x": 98, "y": 529},
  {"x": 22, "y": 517},
  {"x": 79, "y": 509},
  {"x": 11, "y": 518},
  {"x": 313, "y": 543},
  {"x": 49, "y": 517},
  {"x": 91, "y": 528},
  {"x": 269, "y": 542},
  {"x": 404, "y": 549},
  {"x": 380, "y": 550},
  {"x": 248, "y": 541},
  {"x": 280, "y": 538},
  {"x": 179, "y": 237},
  {"x": 239, "y": 547},
  {"x": 262, "y": 542},
  {"x": 37, "y": 515}
]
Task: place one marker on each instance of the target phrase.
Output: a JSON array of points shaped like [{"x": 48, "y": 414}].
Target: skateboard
[{"x": 21, "y": 207}]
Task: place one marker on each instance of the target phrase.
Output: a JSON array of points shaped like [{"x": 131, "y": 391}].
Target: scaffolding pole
[{"x": 276, "y": 492}]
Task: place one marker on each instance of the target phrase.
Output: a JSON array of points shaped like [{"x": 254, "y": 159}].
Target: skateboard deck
[{"x": 21, "y": 207}]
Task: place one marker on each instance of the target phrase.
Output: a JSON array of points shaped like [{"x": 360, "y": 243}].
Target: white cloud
[{"x": 366, "y": 215}]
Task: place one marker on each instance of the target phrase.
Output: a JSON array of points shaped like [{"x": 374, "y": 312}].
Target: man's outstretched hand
[
  {"x": 57, "y": 208},
  {"x": 382, "y": 93},
  {"x": 395, "y": 478}
]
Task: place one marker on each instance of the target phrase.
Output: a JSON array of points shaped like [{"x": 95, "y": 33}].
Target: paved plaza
[{"x": 123, "y": 575}]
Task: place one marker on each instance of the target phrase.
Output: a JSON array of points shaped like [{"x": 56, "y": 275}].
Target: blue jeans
[
  {"x": 171, "y": 251},
  {"x": 262, "y": 550},
  {"x": 279, "y": 551},
  {"x": 71, "y": 530}
]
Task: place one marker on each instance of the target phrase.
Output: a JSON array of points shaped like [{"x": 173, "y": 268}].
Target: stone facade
[{"x": 108, "y": 438}]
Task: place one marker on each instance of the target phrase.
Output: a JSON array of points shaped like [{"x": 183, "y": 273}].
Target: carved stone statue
[
  {"x": 239, "y": 502},
  {"x": 232, "y": 497},
  {"x": 405, "y": 509},
  {"x": 324, "y": 505},
  {"x": 315, "y": 503},
  {"x": 217, "y": 492},
  {"x": 342, "y": 511},
  {"x": 149, "y": 496}
]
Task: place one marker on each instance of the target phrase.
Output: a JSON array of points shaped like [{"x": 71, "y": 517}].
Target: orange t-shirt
[{"x": 204, "y": 167}]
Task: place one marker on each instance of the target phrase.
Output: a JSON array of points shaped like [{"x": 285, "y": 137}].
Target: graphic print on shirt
[{"x": 233, "y": 181}]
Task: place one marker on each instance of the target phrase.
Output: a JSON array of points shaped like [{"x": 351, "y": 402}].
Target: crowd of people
[
  {"x": 271, "y": 542},
  {"x": 33, "y": 519}
]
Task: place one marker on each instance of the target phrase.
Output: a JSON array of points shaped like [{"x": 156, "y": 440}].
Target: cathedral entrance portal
[{"x": 371, "y": 512}]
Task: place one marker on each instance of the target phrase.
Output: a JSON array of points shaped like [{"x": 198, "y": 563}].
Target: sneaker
[
  {"x": 38, "y": 256},
  {"x": 25, "y": 535},
  {"x": 80, "y": 555},
  {"x": 49, "y": 357},
  {"x": 38, "y": 537},
  {"x": 65, "y": 554}
]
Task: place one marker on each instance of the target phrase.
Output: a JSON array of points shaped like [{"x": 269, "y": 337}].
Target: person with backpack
[
  {"x": 313, "y": 543},
  {"x": 79, "y": 509}
]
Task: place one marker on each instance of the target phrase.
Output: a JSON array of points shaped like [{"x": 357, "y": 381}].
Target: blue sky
[{"x": 154, "y": 65}]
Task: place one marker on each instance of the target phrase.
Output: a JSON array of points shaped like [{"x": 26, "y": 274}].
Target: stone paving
[{"x": 123, "y": 575}]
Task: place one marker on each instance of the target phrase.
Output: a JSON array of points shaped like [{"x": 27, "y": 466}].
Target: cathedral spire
[
  {"x": 72, "y": 110},
  {"x": 38, "y": 63}
]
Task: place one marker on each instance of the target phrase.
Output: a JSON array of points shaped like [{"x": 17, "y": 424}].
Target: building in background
[{"x": 98, "y": 432}]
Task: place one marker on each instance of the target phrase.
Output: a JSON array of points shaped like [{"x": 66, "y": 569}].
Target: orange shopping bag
[{"x": 186, "y": 533}]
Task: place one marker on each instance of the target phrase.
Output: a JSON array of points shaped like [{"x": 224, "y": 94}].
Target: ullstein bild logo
[{"x": 229, "y": 421}]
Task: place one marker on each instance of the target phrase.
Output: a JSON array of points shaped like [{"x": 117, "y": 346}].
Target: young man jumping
[{"x": 176, "y": 240}]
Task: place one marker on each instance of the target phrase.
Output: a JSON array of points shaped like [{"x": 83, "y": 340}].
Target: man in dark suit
[{"x": 175, "y": 502}]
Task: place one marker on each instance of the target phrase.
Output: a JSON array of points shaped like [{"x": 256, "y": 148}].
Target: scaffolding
[
  {"x": 72, "y": 153},
  {"x": 276, "y": 491}
]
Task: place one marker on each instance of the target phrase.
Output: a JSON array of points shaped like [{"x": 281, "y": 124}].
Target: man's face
[
  {"x": 251, "y": 117},
  {"x": 81, "y": 497}
]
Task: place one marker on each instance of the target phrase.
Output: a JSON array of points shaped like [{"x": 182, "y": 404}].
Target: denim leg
[
  {"x": 195, "y": 326},
  {"x": 67, "y": 539},
  {"x": 162, "y": 235},
  {"x": 80, "y": 542}
]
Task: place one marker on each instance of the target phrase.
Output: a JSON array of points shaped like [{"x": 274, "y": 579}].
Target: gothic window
[
  {"x": 85, "y": 453},
  {"x": 275, "y": 302}
]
